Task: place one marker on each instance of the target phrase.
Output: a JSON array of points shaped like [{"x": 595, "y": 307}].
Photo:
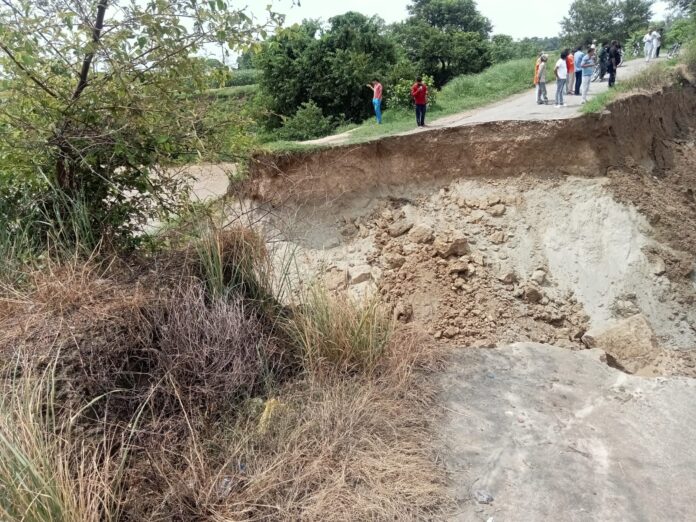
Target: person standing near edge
[
  {"x": 419, "y": 92},
  {"x": 614, "y": 61},
  {"x": 656, "y": 42},
  {"x": 561, "y": 74},
  {"x": 570, "y": 64},
  {"x": 376, "y": 99},
  {"x": 540, "y": 80},
  {"x": 587, "y": 65},
  {"x": 578, "y": 72},
  {"x": 647, "y": 46}
]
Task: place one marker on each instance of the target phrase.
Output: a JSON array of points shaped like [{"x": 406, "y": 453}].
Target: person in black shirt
[
  {"x": 603, "y": 61},
  {"x": 614, "y": 61}
]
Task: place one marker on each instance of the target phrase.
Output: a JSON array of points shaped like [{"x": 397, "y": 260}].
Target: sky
[{"x": 513, "y": 17}]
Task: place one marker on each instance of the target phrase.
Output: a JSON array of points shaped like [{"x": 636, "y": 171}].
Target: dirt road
[{"x": 521, "y": 107}]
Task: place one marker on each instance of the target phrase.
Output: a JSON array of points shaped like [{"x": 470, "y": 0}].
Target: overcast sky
[{"x": 513, "y": 17}]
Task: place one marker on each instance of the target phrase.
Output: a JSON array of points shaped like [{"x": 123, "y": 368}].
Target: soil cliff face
[{"x": 633, "y": 131}]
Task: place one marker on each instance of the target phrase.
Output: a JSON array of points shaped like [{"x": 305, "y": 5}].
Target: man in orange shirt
[
  {"x": 419, "y": 92},
  {"x": 536, "y": 75},
  {"x": 570, "y": 63}
]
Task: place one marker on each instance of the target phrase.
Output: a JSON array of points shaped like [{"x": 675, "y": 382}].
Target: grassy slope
[{"x": 461, "y": 94}]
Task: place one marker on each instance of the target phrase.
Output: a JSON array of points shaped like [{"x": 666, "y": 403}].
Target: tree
[
  {"x": 502, "y": 48},
  {"x": 453, "y": 15},
  {"x": 445, "y": 38},
  {"x": 327, "y": 66},
  {"x": 100, "y": 95},
  {"x": 603, "y": 21}
]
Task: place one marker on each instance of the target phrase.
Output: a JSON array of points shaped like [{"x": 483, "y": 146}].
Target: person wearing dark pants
[
  {"x": 614, "y": 61},
  {"x": 419, "y": 93},
  {"x": 577, "y": 58}
]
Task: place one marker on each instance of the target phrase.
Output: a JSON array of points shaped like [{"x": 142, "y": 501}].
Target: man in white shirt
[
  {"x": 647, "y": 46},
  {"x": 561, "y": 73},
  {"x": 656, "y": 42}
]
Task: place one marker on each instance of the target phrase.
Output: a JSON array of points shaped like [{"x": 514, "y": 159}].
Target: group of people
[
  {"x": 652, "y": 41},
  {"x": 574, "y": 69},
  {"x": 419, "y": 94}
]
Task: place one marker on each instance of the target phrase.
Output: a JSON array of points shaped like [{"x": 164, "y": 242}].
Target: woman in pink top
[{"x": 377, "y": 98}]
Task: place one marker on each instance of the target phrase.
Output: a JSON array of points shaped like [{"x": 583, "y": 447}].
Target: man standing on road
[
  {"x": 561, "y": 74},
  {"x": 540, "y": 79},
  {"x": 603, "y": 61},
  {"x": 419, "y": 92},
  {"x": 578, "y": 72},
  {"x": 587, "y": 65},
  {"x": 376, "y": 99},
  {"x": 614, "y": 61},
  {"x": 647, "y": 46},
  {"x": 656, "y": 42}
]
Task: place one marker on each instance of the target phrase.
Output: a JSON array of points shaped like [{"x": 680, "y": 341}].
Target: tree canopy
[{"x": 600, "y": 20}]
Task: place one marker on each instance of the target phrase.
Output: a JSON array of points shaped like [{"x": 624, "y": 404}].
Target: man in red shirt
[
  {"x": 376, "y": 98},
  {"x": 419, "y": 92}
]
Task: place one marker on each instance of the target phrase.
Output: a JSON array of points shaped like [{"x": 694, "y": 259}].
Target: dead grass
[{"x": 220, "y": 413}]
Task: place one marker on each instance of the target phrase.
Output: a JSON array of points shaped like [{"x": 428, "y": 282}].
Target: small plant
[
  {"x": 338, "y": 332},
  {"x": 308, "y": 123},
  {"x": 399, "y": 96}
]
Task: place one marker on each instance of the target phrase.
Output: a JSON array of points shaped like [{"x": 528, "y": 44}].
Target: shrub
[
  {"x": 241, "y": 77},
  {"x": 339, "y": 333},
  {"x": 399, "y": 96},
  {"x": 308, "y": 123}
]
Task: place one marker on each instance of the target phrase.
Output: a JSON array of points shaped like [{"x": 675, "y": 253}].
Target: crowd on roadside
[{"x": 574, "y": 69}]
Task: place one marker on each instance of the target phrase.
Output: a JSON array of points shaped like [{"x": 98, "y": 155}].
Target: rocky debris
[
  {"x": 478, "y": 258},
  {"x": 497, "y": 210},
  {"x": 498, "y": 237},
  {"x": 659, "y": 267},
  {"x": 450, "y": 332},
  {"x": 400, "y": 227},
  {"x": 625, "y": 306},
  {"x": 335, "y": 279},
  {"x": 483, "y": 497},
  {"x": 631, "y": 342},
  {"x": 507, "y": 276},
  {"x": 403, "y": 312},
  {"x": 392, "y": 260},
  {"x": 532, "y": 294},
  {"x": 454, "y": 246},
  {"x": 539, "y": 276},
  {"x": 360, "y": 274},
  {"x": 421, "y": 234}
]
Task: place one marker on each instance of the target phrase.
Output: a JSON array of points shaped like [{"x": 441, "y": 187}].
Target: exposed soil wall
[{"x": 633, "y": 131}]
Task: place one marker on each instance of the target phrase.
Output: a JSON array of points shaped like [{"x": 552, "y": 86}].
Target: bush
[
  {"x": 337, "y": 332},
  {"x": 241, "y": 77},
  {"x": 399, "y": 96},
  {"x": 308, "y": 123}
]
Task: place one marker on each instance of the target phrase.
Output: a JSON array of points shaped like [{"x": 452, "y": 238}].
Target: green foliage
[
  {"x": 95, "y": 116},
  {"x": 307, "y": 123},
  {"x": 681, "y": 31},
  {"x": 603, "y": 21},
  {"x": 451, "y": 15},
  {"x": 330, "y": 67},
  {"x": 445, "y": 38},
  {"x": 399, "y": 95},
  {"x": 241, "y": 77}
]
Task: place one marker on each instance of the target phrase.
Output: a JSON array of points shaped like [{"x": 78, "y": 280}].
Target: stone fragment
[
  {"x": 455, "y": 246},
  {"x": 539, "y": 276},
  {"x": 450, "y": 332},
  {"x": 483, "y": 497},
  {"x": 459, "y": 267},
  {"x": 393, "y": 261},
  {"x": 421, "y": 234},
  {"x": 400, "y": 227},
  {"x": 508, "y": 277},
  {"x": 335, "y": 279},
  {"x": 533, "y": 294},
  {"x": 478, "y": 258},
  {"x": 359, "y": 274},
  {"x": 497, "y": 210},
  {"x": 659, "y": 267},
  {"x": 498, "y": 237},
  {"x": 403, "y": 312}
]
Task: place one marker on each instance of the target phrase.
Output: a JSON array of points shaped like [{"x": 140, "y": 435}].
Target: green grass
[
  {"x": 652, "y": 77},
  {"x": 461, "y": 94},
  {"x": 237, "y": 91}
]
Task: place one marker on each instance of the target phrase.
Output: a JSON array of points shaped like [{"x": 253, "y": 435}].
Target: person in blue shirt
[
  {"x": 587, "y": 65},
  {"x": 578, "y": 72}
]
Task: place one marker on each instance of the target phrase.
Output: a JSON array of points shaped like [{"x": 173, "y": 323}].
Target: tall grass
[
  {"x": 45, "y": 474},
  {"x": 653, "y": 77},
  {"x": 338, "y": 332}
]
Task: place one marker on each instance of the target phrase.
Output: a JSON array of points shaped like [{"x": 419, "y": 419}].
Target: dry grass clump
[{"x": 180, "y": 389}]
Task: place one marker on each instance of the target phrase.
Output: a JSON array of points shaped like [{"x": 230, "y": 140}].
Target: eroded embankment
[
  {"x": 632, "y": 131},
  {"x": 574, "y": 233}
]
